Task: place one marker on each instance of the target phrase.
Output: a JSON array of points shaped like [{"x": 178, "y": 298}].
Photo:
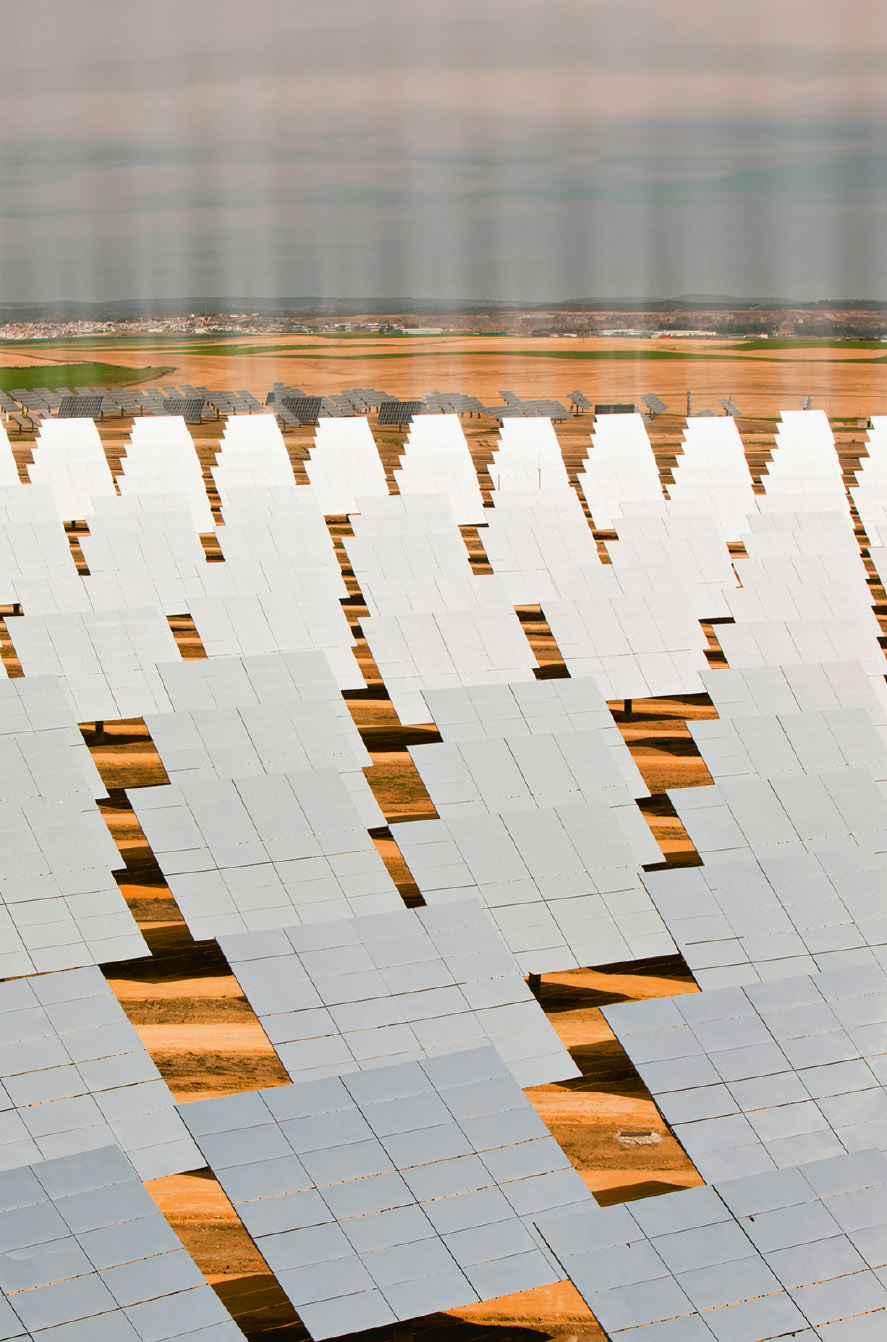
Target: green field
[
  {"x": 589, "y": 355},
  {"x": 681, "y": 356},
  {"x": 811, "y": 342},
  {"x": 193, "y": 344},
  {"x": 574, "y": 355},
  {"x": 244, "y": 351},
  {"x": 78, "y": 375},
  {"x": 103, "y": 342}
]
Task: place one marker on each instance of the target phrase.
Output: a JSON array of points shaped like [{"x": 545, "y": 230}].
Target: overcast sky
[{"x": 511, "y": 149}]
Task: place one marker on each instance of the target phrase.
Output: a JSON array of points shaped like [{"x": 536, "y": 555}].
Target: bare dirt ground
[
  {"x": 844, "y": 381},
  {"x": 204, "y": 1037}
]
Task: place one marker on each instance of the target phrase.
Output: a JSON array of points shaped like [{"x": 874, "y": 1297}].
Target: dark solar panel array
[
  {"x": 399, "y": 412},
  {"x": 351, "y": 401},
  {"x": 151, "y": 401},
  {"x": 306, "y": 409},
  {"x": 293, "y": 406},
  {"x": 85, "y": 406},
  {"x": 617, "y": 408},
  {"x": 189, "y": 407}
]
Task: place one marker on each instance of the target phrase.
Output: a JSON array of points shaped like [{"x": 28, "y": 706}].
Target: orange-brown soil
[{"x": 845, "y": 381}]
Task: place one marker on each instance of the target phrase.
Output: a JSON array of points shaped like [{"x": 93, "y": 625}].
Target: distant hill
[{"x": 134, "y": 309}]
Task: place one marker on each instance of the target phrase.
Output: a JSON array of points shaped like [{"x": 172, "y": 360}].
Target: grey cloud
[
  {"x": 503, "y": 145},
  {"x": 222, "y": 40}
]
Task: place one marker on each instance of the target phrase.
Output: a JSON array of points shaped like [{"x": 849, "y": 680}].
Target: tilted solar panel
[
  {"x": 189, "y": 407},
  {"x": 395, "y": 413},
  {"x": 76, "y": 1076},
  {"x": 395, "y": 987},
  {"x": 80, "y": 407},
  {"x": 391, "y": 1193},
  {"x": 87, "y": 1257},
  {"x": 756, "y": 1078},
  {"x": 305, "y": 408},
  {"x": 793, "y": 1253}
]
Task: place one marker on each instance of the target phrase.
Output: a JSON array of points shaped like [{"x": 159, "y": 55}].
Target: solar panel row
[{"x": 403, "y": 1171}]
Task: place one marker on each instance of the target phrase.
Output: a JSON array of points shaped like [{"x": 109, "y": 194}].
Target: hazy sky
[{"x": 528, "y": 149}]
